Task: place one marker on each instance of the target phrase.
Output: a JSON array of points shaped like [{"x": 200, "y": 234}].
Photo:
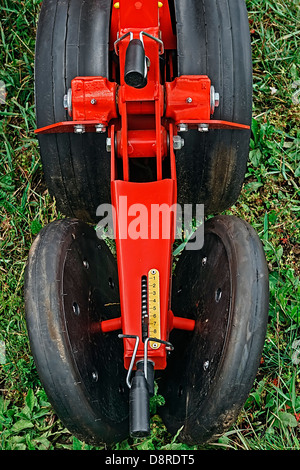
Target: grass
[{"x": 270, "y": 419}]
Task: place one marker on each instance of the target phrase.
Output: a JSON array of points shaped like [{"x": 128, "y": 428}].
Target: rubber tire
[
  {"x": 65, "y": 349},
  {"x": 207, "y": 401},
  {"x": 213, "y": 39},
  {"x": 72, "y": 40}
]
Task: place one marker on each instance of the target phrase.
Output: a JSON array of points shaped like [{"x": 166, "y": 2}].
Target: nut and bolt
[
  {"x": 95, "y": 376},
  {"x": 189, "y": 100},
  {"x": 79, "y": 129},
  {"x": 217, "y": 100},
  {"x": 86, "y": 264},
  {"x": 203, "y": 127},
  {"x": 93, "y": 101},
  {"x": 67, "y": 102},
  {"x": 178, "y": 142},
  {"x": 182, "y": 127},
  {"x": 100, "y": 128},
  {"x": 214, "y": 99}
]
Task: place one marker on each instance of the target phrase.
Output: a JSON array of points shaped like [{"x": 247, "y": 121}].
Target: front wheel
[
  {"x": 213, "y": 39},
  {"x": 72, "y": 41}
]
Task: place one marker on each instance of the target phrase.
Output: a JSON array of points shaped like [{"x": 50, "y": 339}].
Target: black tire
[
  {"x": 224, "y": 287},
  {"x": 71, "y": 284},
  {"x": 213, "y": 39},
  {"x": 72, "y": 40}
]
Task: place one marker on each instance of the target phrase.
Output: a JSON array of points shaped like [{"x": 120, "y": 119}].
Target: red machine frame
[{"x": 142, "y": 123}]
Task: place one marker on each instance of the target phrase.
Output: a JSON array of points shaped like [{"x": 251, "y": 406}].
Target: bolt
[
  {"x": 203, "y": 127},
  {"x": 100, "y": 128},
  {"x": 93, "y": 101},
  {"x": 76, "y": 308},
  {"x": 206, "y": 365},
  {"x": 108, "y": 144},
  {"x": 189, "y": 100},
  {"x": 182, "y": 127},
  {"x": 79, "y": 129},
  {"x": 214, "y": 99},
  {"x": 67, "y": 102},
  {"x": 178, "y": 142},
  {"x": 86, "y": 264},
  {"x": 218, "y": 294},
  {"x": 204, "y": 261},
  {"x": 95, "y": 376}
]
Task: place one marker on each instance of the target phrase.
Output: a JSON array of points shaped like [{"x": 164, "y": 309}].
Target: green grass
[{"x": 270, "y": 201}]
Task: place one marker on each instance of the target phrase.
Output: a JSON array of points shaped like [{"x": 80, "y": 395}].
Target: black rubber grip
[
  {"x": 139, "y": 415},
  {"x": 150, "y": 375},
  {"x": 135, "y": 74}
]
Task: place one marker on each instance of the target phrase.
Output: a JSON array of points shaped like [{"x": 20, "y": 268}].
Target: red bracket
[
  {"x": 188, "y": 98},
  {"x": 94, "y": 98}
]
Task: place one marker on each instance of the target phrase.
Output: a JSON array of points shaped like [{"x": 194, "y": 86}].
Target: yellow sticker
[{"x": 154, "y": 307}]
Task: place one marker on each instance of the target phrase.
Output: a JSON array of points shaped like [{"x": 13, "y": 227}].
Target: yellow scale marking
[{"x": 154, "y": 307}]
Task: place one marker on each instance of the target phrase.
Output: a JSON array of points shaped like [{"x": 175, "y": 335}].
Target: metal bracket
[
  {"x": 121, "y": 39},
  {"x": 142, "y": 33},
  {"x": 137, "y": 340},
  {"x": 169, "y": 347}
]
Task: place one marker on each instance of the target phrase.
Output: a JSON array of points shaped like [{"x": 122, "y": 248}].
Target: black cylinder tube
[
  {"x": 135, "y": 74},
  {"x": 139, "y": 414}
]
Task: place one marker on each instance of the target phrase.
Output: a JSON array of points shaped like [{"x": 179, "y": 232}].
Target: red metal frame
[{"x": 142, "y": 123}]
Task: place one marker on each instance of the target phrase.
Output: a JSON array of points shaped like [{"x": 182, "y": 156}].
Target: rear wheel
[
  {"x": 213, "y": 39},
  {"x": 72, "y": 40},
  {"x": 224, "y": 288},
  {"x": 71, "y": 285}
]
